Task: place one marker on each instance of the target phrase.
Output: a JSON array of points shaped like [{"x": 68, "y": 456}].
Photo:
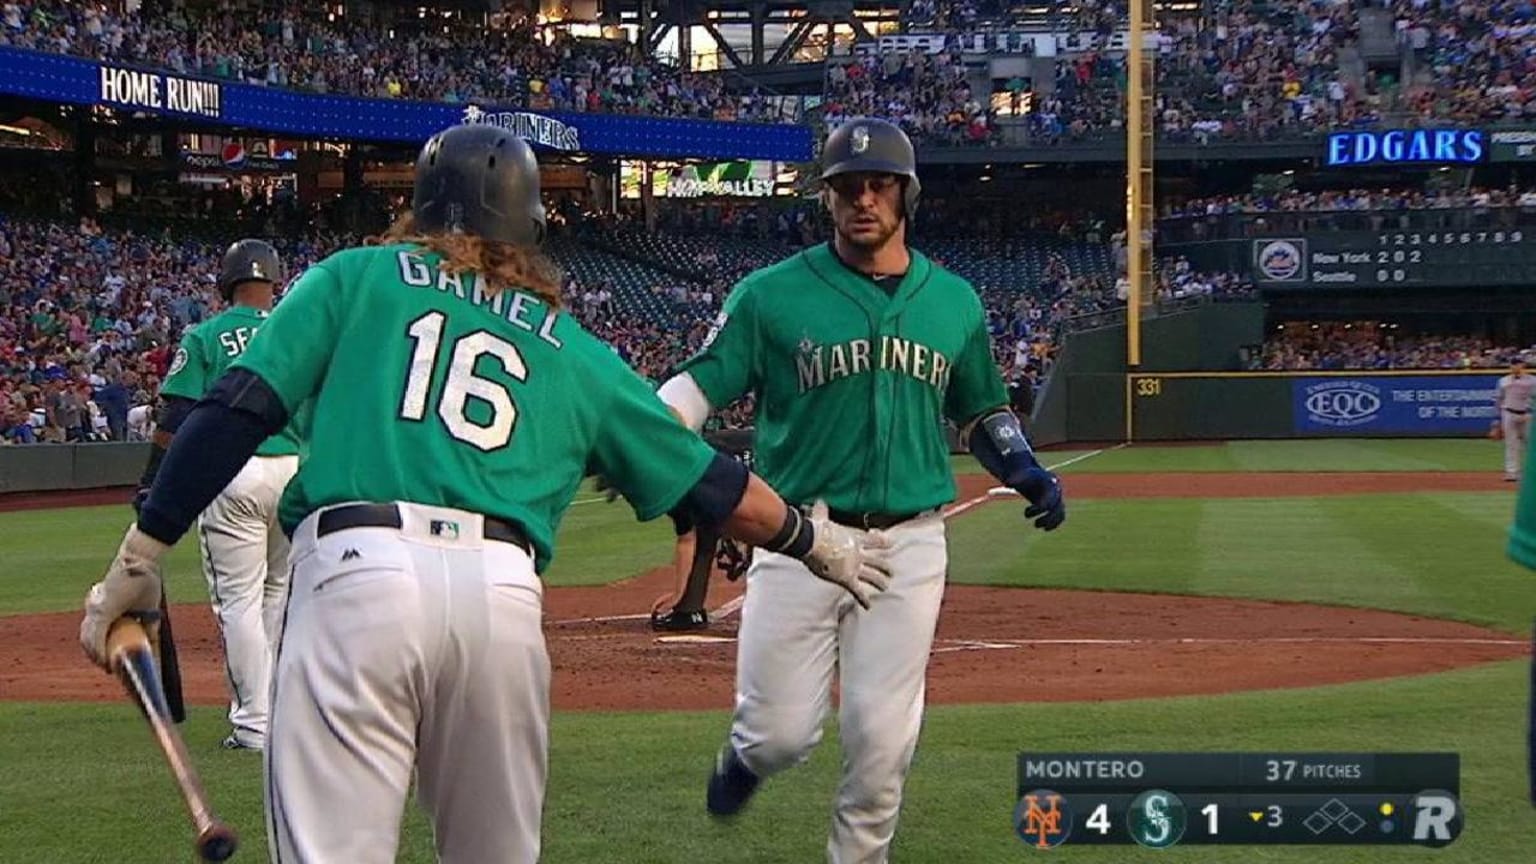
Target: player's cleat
[
  {"x": 233, "y": 742},
  {"x": 731, "y": 785},
  {"x": 680, "y": 620}
]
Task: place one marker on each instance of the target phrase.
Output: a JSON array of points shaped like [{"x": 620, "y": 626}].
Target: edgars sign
[{"x": 1407, "y": 146}]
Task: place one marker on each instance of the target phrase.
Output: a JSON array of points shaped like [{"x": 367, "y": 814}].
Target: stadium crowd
[
  {"x": 1296, "y": 200},
  {"x": 1477, "y": 57},
  {"x": 1335, "y": 345},
  {"x": 1244, "y": 69},
  {"x": 305, "y": 47}
]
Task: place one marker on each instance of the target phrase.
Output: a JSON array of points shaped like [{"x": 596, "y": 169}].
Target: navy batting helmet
[
  {"x": 481, "y": 180},
  {"x": 873, "y": 145},
  {"x": 249, "y": 261}
]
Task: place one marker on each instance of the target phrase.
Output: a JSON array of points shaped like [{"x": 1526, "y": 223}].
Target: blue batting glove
[{"x": 1043, "y": 491}]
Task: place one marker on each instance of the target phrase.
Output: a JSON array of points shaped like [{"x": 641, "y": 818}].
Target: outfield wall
[
  {"x": 54, "y": 467},
  {"x": 1193, "y": 406}
]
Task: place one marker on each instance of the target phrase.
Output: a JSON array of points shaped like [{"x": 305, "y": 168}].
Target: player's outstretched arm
[
  {"x": 217, "y": 438},
  {"x": 854, "y": 559}
]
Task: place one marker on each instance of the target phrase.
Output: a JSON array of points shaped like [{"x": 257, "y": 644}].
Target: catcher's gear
[
  {"x": 869, "y": 144},
  {"x": 733, "y": 558},
  {"x": 480, "y": 180},
  {"x": 249, "y": 261},
  {"x": 170, "y": 667}
]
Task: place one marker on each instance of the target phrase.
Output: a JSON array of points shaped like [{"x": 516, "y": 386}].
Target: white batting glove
[
  {"x": 132, "y": 584},
  {"x": 854, "y": 559}
]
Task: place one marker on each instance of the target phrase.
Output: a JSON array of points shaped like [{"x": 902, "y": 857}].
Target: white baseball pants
[
  {"x": 794, "y": 629},
  {"x": 408, "y": 650},
  {"x": 245, "y": 562},
  {"x": 1516, "y": 428}
]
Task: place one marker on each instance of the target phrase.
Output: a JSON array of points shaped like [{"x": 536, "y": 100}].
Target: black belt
[
  {"x": 870, "y": 521},
  {"x": 388, "y": 516},
  {"x": 1518, "y": 411}
]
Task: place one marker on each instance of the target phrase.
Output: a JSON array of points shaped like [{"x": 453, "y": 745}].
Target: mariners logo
[
  {"x": 1043, "y": 818},
  {"x": 1280, "y": 260},
  {"x": 860, "y": 139},
  {"x": 715, "y": 328},
  {"x": 1156, "y": 819}
]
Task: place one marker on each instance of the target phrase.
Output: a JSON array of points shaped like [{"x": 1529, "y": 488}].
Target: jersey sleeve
[
  {"x": 726, "y": 366},
  {"x": 293, "y": 348},
  {"x": 975, "y": 385},
  {"x": 188, "y": 375},
  {"x": 643, "y": 451}
]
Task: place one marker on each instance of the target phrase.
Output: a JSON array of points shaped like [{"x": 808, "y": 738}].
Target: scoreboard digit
[{"x": 1159, "y": 800}]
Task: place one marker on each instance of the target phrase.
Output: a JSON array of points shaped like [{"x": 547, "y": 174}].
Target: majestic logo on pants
[{"x": 1043, "y": 818}]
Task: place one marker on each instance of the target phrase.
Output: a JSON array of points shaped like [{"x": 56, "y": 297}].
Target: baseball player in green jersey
[
  {"x": 856, "y": 352},
  {"x": 1521, "y": 549},
  {"x": 244, "y": 552},
  {"x": 455, "y": 413}
]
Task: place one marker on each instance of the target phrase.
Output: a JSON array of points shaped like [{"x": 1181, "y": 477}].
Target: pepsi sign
[{"x": 1407, "y": 147}]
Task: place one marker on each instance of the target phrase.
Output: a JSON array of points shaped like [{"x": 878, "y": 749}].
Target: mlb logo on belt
[{"x": 444, "y": 528}]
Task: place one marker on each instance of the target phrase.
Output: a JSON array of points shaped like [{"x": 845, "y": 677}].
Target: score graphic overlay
[{"x": 1159, "y": 800}]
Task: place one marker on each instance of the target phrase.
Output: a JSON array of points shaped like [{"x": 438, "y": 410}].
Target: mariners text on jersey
[
  {"x": 820, "y": 364},
  {"x": 514, "y": 306}
]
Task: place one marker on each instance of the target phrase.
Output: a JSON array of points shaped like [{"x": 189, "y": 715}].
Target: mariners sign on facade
[{"x": 532, "y": 127}]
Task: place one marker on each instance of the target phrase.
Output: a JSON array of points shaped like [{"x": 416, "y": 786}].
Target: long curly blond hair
[{"x": 500, "y": 266}]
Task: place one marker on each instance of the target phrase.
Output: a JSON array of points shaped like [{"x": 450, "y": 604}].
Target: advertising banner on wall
[
  {"x": 1395, "y": 404},
  {"x": 77, "y": 81}
]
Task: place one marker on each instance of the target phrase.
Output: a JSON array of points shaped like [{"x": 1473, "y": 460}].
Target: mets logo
[
  {"x": 1280, "y": 260},
  {"x": 1349, "y": 402},
  {"x": 1043, "y": 818},
  {"x": 859, "y": 140}
]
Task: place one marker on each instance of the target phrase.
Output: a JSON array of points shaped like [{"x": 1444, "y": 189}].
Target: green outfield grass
[{"x": 82, "y": 783}]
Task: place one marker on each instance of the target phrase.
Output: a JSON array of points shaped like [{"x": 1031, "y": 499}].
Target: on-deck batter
[
  {"x": 856, "y": 352},
  {"x": 244, "y": 552},
  {"x": 1514, "y": 397},
  {"x": 455, "y": 413}
]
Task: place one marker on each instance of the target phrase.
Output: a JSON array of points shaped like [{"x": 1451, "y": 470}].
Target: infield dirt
[{"x": 993, "y": 644}]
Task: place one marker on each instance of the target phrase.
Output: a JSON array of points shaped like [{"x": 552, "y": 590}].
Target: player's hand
[
  {"x": 854, "y": 559},
  {"x": 1043, "y": 491},
  {"x": 132, "y": 584}
]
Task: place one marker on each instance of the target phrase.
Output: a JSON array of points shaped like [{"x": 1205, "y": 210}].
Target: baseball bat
[{"x": 133, "y": 660}]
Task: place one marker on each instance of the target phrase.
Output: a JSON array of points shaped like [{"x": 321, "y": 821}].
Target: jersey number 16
[{"x": 461, "y": 383}]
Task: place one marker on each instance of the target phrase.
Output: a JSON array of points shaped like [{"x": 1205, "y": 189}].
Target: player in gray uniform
[{"x": 1514, "y": 398}]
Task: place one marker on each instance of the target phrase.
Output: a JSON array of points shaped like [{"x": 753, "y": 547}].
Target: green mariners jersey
[
  {"x": 1522, "y": 535},
  {"x": 209, "y": 349},
  {"x": 852, "y": 381},
  {"x": 424, "y": 387}
]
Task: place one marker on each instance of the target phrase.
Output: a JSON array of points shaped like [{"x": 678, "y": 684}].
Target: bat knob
[{"x": 216, "y": 843}]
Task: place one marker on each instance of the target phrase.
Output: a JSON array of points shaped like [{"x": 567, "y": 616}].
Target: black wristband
[{"x": 795, "y": 537}]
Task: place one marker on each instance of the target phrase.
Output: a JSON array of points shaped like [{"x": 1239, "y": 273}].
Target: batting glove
[
  {"x": 1043, "y": 491},
  {"x": 856, "y": 560},
  {"x": 132, "y": 584}
]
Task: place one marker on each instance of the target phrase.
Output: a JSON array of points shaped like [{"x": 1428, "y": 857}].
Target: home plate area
[{"x": 1020, "y": 645}]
